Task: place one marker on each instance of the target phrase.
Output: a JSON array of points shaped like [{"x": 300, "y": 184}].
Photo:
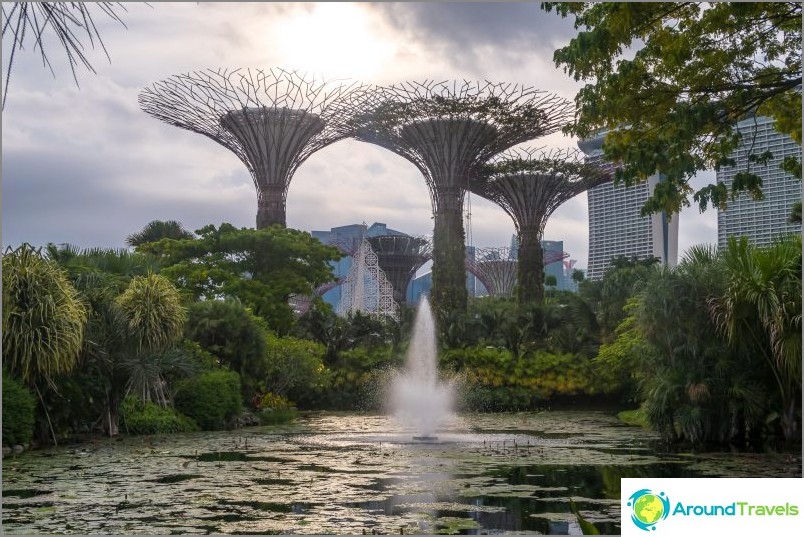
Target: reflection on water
[{"x": 342, "y": 473}]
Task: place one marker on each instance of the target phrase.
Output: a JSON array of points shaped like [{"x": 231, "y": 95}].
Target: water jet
[{"x": 419, "y": 399}]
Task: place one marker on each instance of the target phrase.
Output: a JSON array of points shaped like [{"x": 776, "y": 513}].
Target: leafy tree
[
  {"x": 228, "y": 330},
  {"x": 697, "y": 69},
  {"x": 262, "y": 267},
  {"x": 339, "y": 334},
  {"x": 116, "y": 263},
  {"x": 157, "y": 230},
  {"x": 608, "y": 296},
  {"x": 696, "y": 388}
]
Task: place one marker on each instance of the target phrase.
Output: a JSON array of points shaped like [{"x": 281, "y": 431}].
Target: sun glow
[{"x": 334, "y": 39}]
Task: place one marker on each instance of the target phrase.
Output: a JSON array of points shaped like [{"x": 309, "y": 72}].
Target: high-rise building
[
  {"x": 616, "y": 227},
  {"x": 763, "y": 220}
]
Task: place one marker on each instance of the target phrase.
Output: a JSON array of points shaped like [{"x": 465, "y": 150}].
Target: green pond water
[{"x": 349, "y": 473}]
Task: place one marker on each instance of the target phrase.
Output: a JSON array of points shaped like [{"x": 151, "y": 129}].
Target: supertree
[
  {"x": 400, "y": 256},
  {"x": 446, "y": 129},
  {"x": 273, "y": 120},
  {"x": 496, "y": 268},
  {"x": 529, "y": 184}
]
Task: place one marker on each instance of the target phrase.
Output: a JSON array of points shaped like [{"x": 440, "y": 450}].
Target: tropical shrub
[
  {"x": 19, "y": 407},
  {"x": 272, "y": 408},
  {"x": 292, "y": 368},
  {"x": 356, "y": 382},
  {"x": 496, "y": 379},
  {"x": 153, "y": 309},
  {"x": 145, "y": 417},
  {"x": 234, "y": 335},
  {"x": 43, "y": 317},
  {"x": 210, "y": 399}
]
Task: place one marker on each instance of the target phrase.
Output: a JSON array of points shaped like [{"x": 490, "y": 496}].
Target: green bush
[
  {"x": 274, "y": 408},
  {"x": 293, "y": 368},
  {"x": 210, "y": 399},
  {"x": 494, "y": 379},
  {"x": 145, "y": 417},
  {"x": 355, "y": 382},
  {"x": 19, "y": 407}
]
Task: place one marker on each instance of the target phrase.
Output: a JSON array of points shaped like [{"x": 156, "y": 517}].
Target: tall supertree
[
  {"x": 530, "y": 184},
  {"x": 447, "y": 129},
  {"x": 273, "y": 120},
  {"x": 496, "y": 268},
  {"x": 400, "y": 256}
]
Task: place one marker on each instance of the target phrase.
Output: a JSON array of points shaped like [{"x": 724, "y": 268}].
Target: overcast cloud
[{"x": 86, "y": 166}]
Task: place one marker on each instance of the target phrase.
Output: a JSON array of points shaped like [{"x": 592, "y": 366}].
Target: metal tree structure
[
  {"x": 399, "y": 257},
  {"x": 496, "y": 268},
  {"x": 366, "y": 288},
  {"x": 273, "y": 120},
  {"x": 447, "y": 129},
  {"x": 529, "y": 185}
]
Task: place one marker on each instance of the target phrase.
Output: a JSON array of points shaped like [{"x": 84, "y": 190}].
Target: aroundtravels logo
[
  {"x": 648, "y": 508},
  {"x": 704, "y": 506}
]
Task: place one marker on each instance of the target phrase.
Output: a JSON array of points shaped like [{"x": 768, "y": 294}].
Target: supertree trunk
[
  {"x": 530, "y": 269},
  {"x": 449, "y": 254},
  {"x": 271, "y": 206}
]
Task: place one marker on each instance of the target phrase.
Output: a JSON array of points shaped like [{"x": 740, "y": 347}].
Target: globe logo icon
[{"x": 648, "y": 508}]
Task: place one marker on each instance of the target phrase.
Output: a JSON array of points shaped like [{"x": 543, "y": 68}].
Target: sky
[{"x": 84, "y": 165}]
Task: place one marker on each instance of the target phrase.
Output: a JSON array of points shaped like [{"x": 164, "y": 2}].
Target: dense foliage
[
  {"x": 144, "y": 417},
  {"x": 211, "y": 399},
  {"x": 496, "y": 380},
  {"x": 19, "y": 407},
  {"x": 43, "y": 317},
  {"x": 261, "y": 267},
  {"x": 670, "y": 80},
  {"x": 708, "y": 352}
]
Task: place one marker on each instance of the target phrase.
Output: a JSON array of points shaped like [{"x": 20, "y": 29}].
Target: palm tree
[
  {"x": 157, "y": 230},
  {"x": 43, "y": 319},
  {"x": 761, "y": 310},
  {"x": 694, "y": 386},
  {"x": 26, "y": 21}
]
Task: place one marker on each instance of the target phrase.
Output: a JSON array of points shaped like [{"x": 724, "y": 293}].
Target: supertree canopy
[
  {"x": 400, "y": 256},
  {"x": 447, "y": 129},
  {"x": 273, "y": 120},
  {"x": 529, "y": 185},
  {"x": 496, "y": 268}
]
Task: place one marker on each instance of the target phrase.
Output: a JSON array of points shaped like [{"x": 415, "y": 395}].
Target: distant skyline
[{"x": 87, "y": 167}]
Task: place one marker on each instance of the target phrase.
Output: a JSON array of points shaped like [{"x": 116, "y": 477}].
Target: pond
[{"x": 355, "y": 474}]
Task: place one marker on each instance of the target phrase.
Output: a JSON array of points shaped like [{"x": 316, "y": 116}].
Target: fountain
[{"x": 418, "y": 399}]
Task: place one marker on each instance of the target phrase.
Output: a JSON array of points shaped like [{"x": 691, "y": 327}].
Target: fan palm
[{"x": 761, "y": 309}]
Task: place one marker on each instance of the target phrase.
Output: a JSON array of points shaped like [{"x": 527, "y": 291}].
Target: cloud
[
  {"x": 456, "y": 28},
  {"x": 86, "y": 166}
]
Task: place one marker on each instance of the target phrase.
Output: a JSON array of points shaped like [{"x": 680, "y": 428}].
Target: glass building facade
[{"x": 763, "y": 220}]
